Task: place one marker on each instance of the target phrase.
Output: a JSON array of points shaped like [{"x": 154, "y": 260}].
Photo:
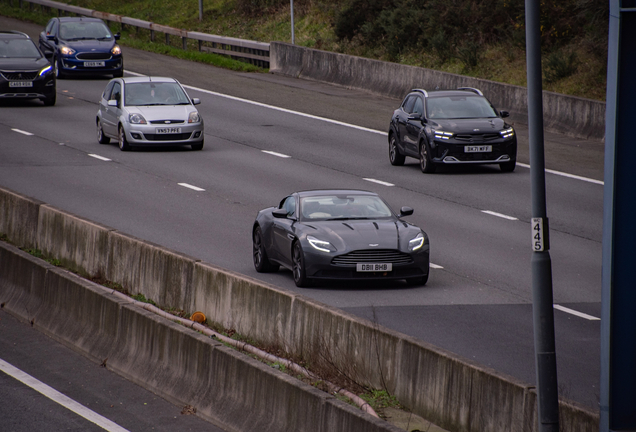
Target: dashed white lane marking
[
  {"x": 383, "y": 183},
  {"x": 22, "y": 132},
  {"x": 435, "y": 266},
  {"x": 577, "y": 313},
  {"x": 189, "y": 186},
  {"x": 572, "y": 176},
  {"x": 99, "y": 157},
  {"x": 60, "y": 398},
  {"x": 273, "y": 153},
  {"x": 492, "y": 213}
]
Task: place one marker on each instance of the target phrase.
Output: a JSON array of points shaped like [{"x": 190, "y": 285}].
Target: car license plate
[
  {"x": 167, "y": 130},
  {"x": 94, "y": 64},
  {"x": 477, "y": 149},
  {"x": 374, "y": 267},
  {"x": 20, "y": 83}
]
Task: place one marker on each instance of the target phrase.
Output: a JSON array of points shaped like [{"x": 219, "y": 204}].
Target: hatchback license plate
[
  {"x": 167, "y": 130},
  {"x": 477, "y": 149},
  {"x": 20, "y": 83},
  {"x": 374, "y": 267},
  {"x": 94, "y": 64}
]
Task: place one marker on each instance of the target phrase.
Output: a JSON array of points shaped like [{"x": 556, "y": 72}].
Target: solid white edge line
[
  {"x": 383, "y": 183},
  {"x": 60, "y": 398},
  {"x": 189, "y": 186},
  {"x": 273, "y": 153},
  {"x": 99, "y": 157},
  {"x": 562, "y": 174},
  {"x": 435, "y": 266},
  {"x": 21, "y": 131},
  {"x": 577, "y": 313},
  {"x": 351, "y": 125},
  {"x": 492, "y": 213}
]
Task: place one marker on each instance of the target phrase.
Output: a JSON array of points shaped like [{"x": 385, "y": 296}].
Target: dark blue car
[{"x": 80, "y": 45}]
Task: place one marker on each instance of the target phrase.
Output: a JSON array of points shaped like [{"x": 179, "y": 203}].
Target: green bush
[{"x": 559, "y": 65}]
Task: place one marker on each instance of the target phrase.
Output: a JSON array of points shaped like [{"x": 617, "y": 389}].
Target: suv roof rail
[
  {"x": 421, "y": 91},
  {"x": 15, "y": 32},
  {"x": 474, "y": 90}
]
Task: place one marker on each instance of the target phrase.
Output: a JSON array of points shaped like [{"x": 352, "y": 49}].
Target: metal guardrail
[{"x": 253, "y": 52}]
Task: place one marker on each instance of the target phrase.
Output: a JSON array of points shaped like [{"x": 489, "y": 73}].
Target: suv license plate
[
  {"x": 94, "y": 64},
  {"x": 374, "y": 267},
  {"x": 477, "y": 149},
  {"x": 167, "y": 130},
  {"x": 20, "y": 83}
]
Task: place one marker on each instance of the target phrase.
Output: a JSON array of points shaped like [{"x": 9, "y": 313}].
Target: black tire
[
  {"x": 101, "y": 138},
  {"x": 50, "y": 100},
  {"x": 417, "y": 281},
  {"x": 198, "y": 146},
  {"x": 123, "y": 142},
  {"x": 508, "y": 166},
  {"x": 58, "y": 70},
  {"x": 395, "y": 157},
  {"x": 261, "y": 262},
  {"x": 426, "y": 165},
  {"x": 298, "y": 266}
]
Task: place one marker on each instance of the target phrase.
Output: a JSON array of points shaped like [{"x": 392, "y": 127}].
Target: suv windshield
[
  {"x": 459, "y": 107},
  {"x": 79, "y": 30},
  {"x": 18, "y": 48}
]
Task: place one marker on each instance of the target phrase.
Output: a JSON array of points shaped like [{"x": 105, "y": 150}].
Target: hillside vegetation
[{"x": 484, "y": 39}]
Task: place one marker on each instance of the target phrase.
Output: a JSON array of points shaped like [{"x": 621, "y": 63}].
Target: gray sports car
[{"x": 339, "y": 234}]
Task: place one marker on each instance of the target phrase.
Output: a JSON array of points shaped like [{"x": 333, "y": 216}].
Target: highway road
[{"x": 267, "y": 136}]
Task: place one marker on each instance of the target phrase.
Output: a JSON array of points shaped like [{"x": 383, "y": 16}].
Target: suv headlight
[
  {"x": 45, "y": 70},
  {"x": 136, "y": 119},
  {"x": 417, "y": 242},
  {"x": 321, "y": 245},
  {"x": 194, "y": 117},
  {"x": 116, "y": 50},
  {"x": 443, "y": 135},
  {"x": 507, "y": 133},
  {"x": 67, "y": 51}
]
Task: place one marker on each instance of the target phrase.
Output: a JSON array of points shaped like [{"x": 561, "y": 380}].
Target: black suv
[
  {"x": 451, "y": 127},
  {"x": 24, "y": 71}
]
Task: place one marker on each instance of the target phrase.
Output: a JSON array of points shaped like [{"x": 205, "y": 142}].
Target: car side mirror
[
  {"x": 117, "y": 35},
  {"x": 280, "y": 213},
  {"x": 50, "y": 37},
  {"x": 419, "y": 117},
  {"x": 196, "y": 101},
  {"x": 112, "y": 103},
  {"x": 504, "y": 114},
  {"x": 406, "y": 211}
]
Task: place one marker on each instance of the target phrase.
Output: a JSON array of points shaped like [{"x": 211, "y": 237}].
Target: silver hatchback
[{"x": 148, "y": 111}]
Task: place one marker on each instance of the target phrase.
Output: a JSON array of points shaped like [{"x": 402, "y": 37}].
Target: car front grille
[
  {"x": 168, "y": 137},
  {"x": 372, "y": 256},
  {"x": 167, "y": 121},
  {"x": 93, "y": 56},
  {"x": 19, "y": 76},
  {"x": 477, "y": 137}
]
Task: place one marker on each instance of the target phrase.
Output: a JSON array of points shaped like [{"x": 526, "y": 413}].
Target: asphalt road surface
[{"x": 477, "y": 302}]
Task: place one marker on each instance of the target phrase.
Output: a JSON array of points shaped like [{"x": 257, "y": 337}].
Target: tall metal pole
[
  {"x": 542, "y": 308},
  {"x": 200, "y": 10},
  {"x": 291, "y": 2}
]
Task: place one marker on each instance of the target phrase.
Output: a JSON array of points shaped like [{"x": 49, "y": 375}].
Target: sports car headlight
[
  {"x": 67, "y": 51},
  {"x": 507, "y": 133},
  {"x": 417, "y": 242},
  {"x": 45, "y": 70},
  {"x": 136, "y": 119},
  {"x": 443, "y": 135},
  {"x": 321, "y": 245},
  {"x": 194, "y": 117},
  {"x": 116, "y": 50}
]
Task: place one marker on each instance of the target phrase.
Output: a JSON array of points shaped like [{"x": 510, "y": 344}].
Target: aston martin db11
[{"x": 339, "y": 235}]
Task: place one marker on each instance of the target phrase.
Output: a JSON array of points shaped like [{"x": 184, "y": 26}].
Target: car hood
[
  {"x": 484, "y": 125},
  {"x": 358, "y": 234},
  {"x": 21, "y": 64},
  {"x": 163, "y": 112},
  {"x": 91, "y": 45}
]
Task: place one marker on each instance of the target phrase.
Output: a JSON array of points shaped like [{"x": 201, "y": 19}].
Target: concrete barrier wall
[
  {"x": 230, "y": 389},
  {"x": 574, "y": 116},
  {"x": 440, "y": 386}
]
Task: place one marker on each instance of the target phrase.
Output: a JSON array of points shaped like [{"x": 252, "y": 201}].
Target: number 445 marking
[{"x": 538, "y": 244}]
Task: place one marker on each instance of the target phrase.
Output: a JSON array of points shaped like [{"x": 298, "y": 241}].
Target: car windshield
[
  {"x": 459, "y": 107},
  {"x": 343, "y": 207},
  {"x": 18, "y": 48},
  {"x": 154, "y": 93},
  {"x": 81, "y": 30}
]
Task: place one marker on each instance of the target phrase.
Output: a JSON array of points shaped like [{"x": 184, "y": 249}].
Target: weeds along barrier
[
  {"x": 253, "y": 52},
  {"x": 448, "y": 390}
]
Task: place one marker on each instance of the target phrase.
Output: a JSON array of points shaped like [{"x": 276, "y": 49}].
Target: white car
[{"x": 148, "y": 111}]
